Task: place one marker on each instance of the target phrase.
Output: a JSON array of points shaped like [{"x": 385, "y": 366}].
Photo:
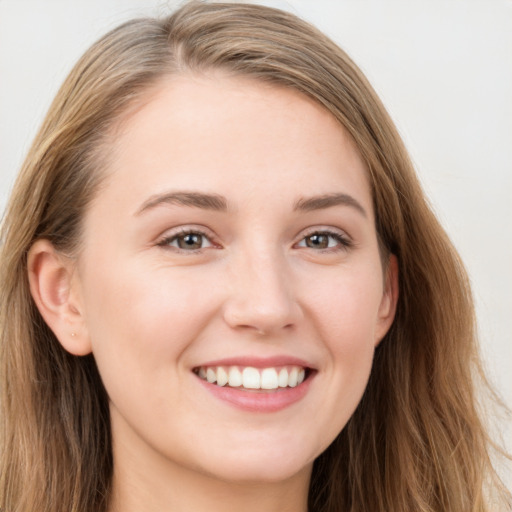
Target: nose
[{"x": 261, "y": 295}]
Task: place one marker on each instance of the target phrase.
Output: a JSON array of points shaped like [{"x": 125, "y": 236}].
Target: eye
[
  {"x": 187, "y": 241},
  {"x": 324, "y": 240}
]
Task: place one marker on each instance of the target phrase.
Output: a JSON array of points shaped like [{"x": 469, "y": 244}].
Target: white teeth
[
  {"x": 283, "y": 378},
  {"x": 211, "y": 375},
  {"x": 222, "y": 376},
  {"x": 269, "y": 379},
  {"x": 292, "y": 377},
  {"x": 253, "y": 378},
  {"x": 235, "y": 377}
]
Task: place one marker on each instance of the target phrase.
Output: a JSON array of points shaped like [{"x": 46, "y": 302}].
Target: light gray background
[{"x": 443, "y": 69}]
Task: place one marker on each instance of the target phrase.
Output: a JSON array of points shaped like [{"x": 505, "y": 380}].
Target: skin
[{"x": 151, "y": 312}]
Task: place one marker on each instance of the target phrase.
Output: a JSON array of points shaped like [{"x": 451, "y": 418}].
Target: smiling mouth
[{"x": 250, "y": 378}]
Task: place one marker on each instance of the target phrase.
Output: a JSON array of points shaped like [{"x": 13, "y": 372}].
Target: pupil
[
  {"x": 190, "y": 241},
  {"x": 318, "y": 241}
]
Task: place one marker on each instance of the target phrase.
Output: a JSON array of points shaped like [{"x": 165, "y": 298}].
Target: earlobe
[
  {"x": 387, "y": 308},
  {"x": 53, "y": 288}
]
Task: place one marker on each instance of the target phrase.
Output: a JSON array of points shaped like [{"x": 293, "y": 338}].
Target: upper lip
[{"x": 258, "y": 362}]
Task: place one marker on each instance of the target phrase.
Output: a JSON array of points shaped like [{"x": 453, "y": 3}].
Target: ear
[
  {"x": 387, "y": 308},
  {"x": 55, "y": 289}
]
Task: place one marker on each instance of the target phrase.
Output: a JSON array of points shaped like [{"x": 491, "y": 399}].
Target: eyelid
[
  {"x": 345, "y": 240},
  {"x": 168, "y": 236},
  {"x": 164, "y": 240}
]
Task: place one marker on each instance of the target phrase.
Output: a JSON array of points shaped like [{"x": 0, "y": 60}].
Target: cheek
[
  {"x": 346, "y": 306},
  {"x": 141, "y": 319},
  {"x": 346, "y": 312}
]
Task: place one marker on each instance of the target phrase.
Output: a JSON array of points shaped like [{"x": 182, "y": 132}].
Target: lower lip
[{"x": 259, "y": 400}]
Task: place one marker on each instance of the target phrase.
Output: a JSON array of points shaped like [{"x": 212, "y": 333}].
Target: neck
[
  {"x": 156, "y": 484},
  {"x": 182, "y": 491}
]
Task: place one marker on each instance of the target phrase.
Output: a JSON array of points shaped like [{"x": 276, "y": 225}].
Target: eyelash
[
  {"x": 168, "y": 240},
  {"x": 343, "y": 243}
]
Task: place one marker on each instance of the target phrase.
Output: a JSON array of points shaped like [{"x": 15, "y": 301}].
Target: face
[{"x": 231, "y": 285}]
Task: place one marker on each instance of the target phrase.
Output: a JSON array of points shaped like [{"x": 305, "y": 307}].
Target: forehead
[{"x": 222, "y": 133}]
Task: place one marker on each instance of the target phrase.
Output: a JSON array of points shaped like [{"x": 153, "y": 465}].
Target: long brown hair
[{"x": 416, "y": 441}]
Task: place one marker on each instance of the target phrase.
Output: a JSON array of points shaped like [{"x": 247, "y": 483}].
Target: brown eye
[
  {"x": 325, "y": 240},
  {"x": 317, "y": 241},
  {"x": 188, "y": 241}
]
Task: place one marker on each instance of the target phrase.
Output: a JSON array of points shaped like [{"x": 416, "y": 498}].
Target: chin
[{"x": 261, "y": 469}]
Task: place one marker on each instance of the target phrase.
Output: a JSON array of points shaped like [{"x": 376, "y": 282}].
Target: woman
[{"x": 222, "y": 287}]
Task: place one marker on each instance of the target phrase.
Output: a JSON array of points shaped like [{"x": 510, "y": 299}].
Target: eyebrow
[
  {"x": 320, "y": 202},
  {"x": 219, "y": 203},
  {"x": 201, "y": 200}
]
